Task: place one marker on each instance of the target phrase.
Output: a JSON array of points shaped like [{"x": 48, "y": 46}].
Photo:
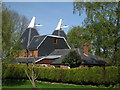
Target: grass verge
[{"x": 41, "y": 84}]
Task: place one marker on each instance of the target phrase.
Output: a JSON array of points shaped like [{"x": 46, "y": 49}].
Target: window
[{"x": 55, "y": 41}]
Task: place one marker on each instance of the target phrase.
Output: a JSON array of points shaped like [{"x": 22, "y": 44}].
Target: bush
[
  {"x": 85, "y": 75},
  {"x": 72, "y": 59},
  {"x": 13, "y": 71}
]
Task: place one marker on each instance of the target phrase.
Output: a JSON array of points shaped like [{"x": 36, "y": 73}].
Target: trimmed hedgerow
[
  {"x": 84, "y": 75},
  {"x": 13, "y": 71}
]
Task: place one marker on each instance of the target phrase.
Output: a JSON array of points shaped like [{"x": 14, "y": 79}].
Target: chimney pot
[{"x": 86, "y": 48}]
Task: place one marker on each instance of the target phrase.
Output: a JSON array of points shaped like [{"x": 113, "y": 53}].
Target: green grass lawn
[{"x": 39, "y": 84}]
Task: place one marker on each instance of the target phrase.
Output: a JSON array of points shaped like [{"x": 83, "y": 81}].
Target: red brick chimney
[{"x": 86, "y": 48}]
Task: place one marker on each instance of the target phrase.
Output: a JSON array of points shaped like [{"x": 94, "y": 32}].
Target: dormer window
[{"x": 55, "y": 41}]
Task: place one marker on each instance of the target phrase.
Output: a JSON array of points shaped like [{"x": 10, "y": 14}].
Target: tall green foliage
[
  {"x": 78, "y": 36},
  {"x": 102, "y": 23},
  {"x": 10, "y": 34},
  {"x": 7, "y": 33}
]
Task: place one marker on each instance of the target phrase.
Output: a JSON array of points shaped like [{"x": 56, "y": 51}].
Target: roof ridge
[{"x": 55, "y": 36}]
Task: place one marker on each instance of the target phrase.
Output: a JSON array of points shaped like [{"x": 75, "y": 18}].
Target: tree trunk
[{"x": 33, "y": 84}]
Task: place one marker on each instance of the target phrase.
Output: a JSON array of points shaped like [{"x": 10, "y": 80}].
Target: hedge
[{"x": 85, "y": 75}]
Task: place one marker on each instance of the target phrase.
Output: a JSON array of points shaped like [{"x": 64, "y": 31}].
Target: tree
[
  {"x": 102, "y": 23},
  {"x": 78, "y": 36},
  {"x": 102, "y": 38},
  {"x": 10, "y": 33},
  {"x": 20, "y": 22},
  {"x": 72, "y": 59},
  {"x": 32, "y": 73}
]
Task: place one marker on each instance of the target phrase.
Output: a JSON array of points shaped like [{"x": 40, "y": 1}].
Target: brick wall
[
  {"x": 32, "y": 53},
  {"x": 36, "y": 53}
]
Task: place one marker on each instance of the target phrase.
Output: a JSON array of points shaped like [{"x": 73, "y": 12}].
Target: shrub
[
  {"x": 85, "y": 75},
  {"x": 72, "y": 59}
]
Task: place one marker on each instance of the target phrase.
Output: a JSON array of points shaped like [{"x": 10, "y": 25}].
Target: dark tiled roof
[
  {"x": 29, "y": 59},
  {"x": 35, "y": 42},
  {"x": 87, "y": 59},
  {"x": 62, "y": 52},
  {"x": 91, "y": 59},
  {"x": 38, "y": 40},
  {"x": 57, "y": 61},
  {"x": 48, "y": 57},
  {"x": 101, "y": 62},
  {"x": 59, "y": 33},
  {"x": 24, "y": 37}
]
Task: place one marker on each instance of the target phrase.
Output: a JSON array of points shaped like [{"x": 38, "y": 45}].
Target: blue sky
[{"x": 48, "y": 14}]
